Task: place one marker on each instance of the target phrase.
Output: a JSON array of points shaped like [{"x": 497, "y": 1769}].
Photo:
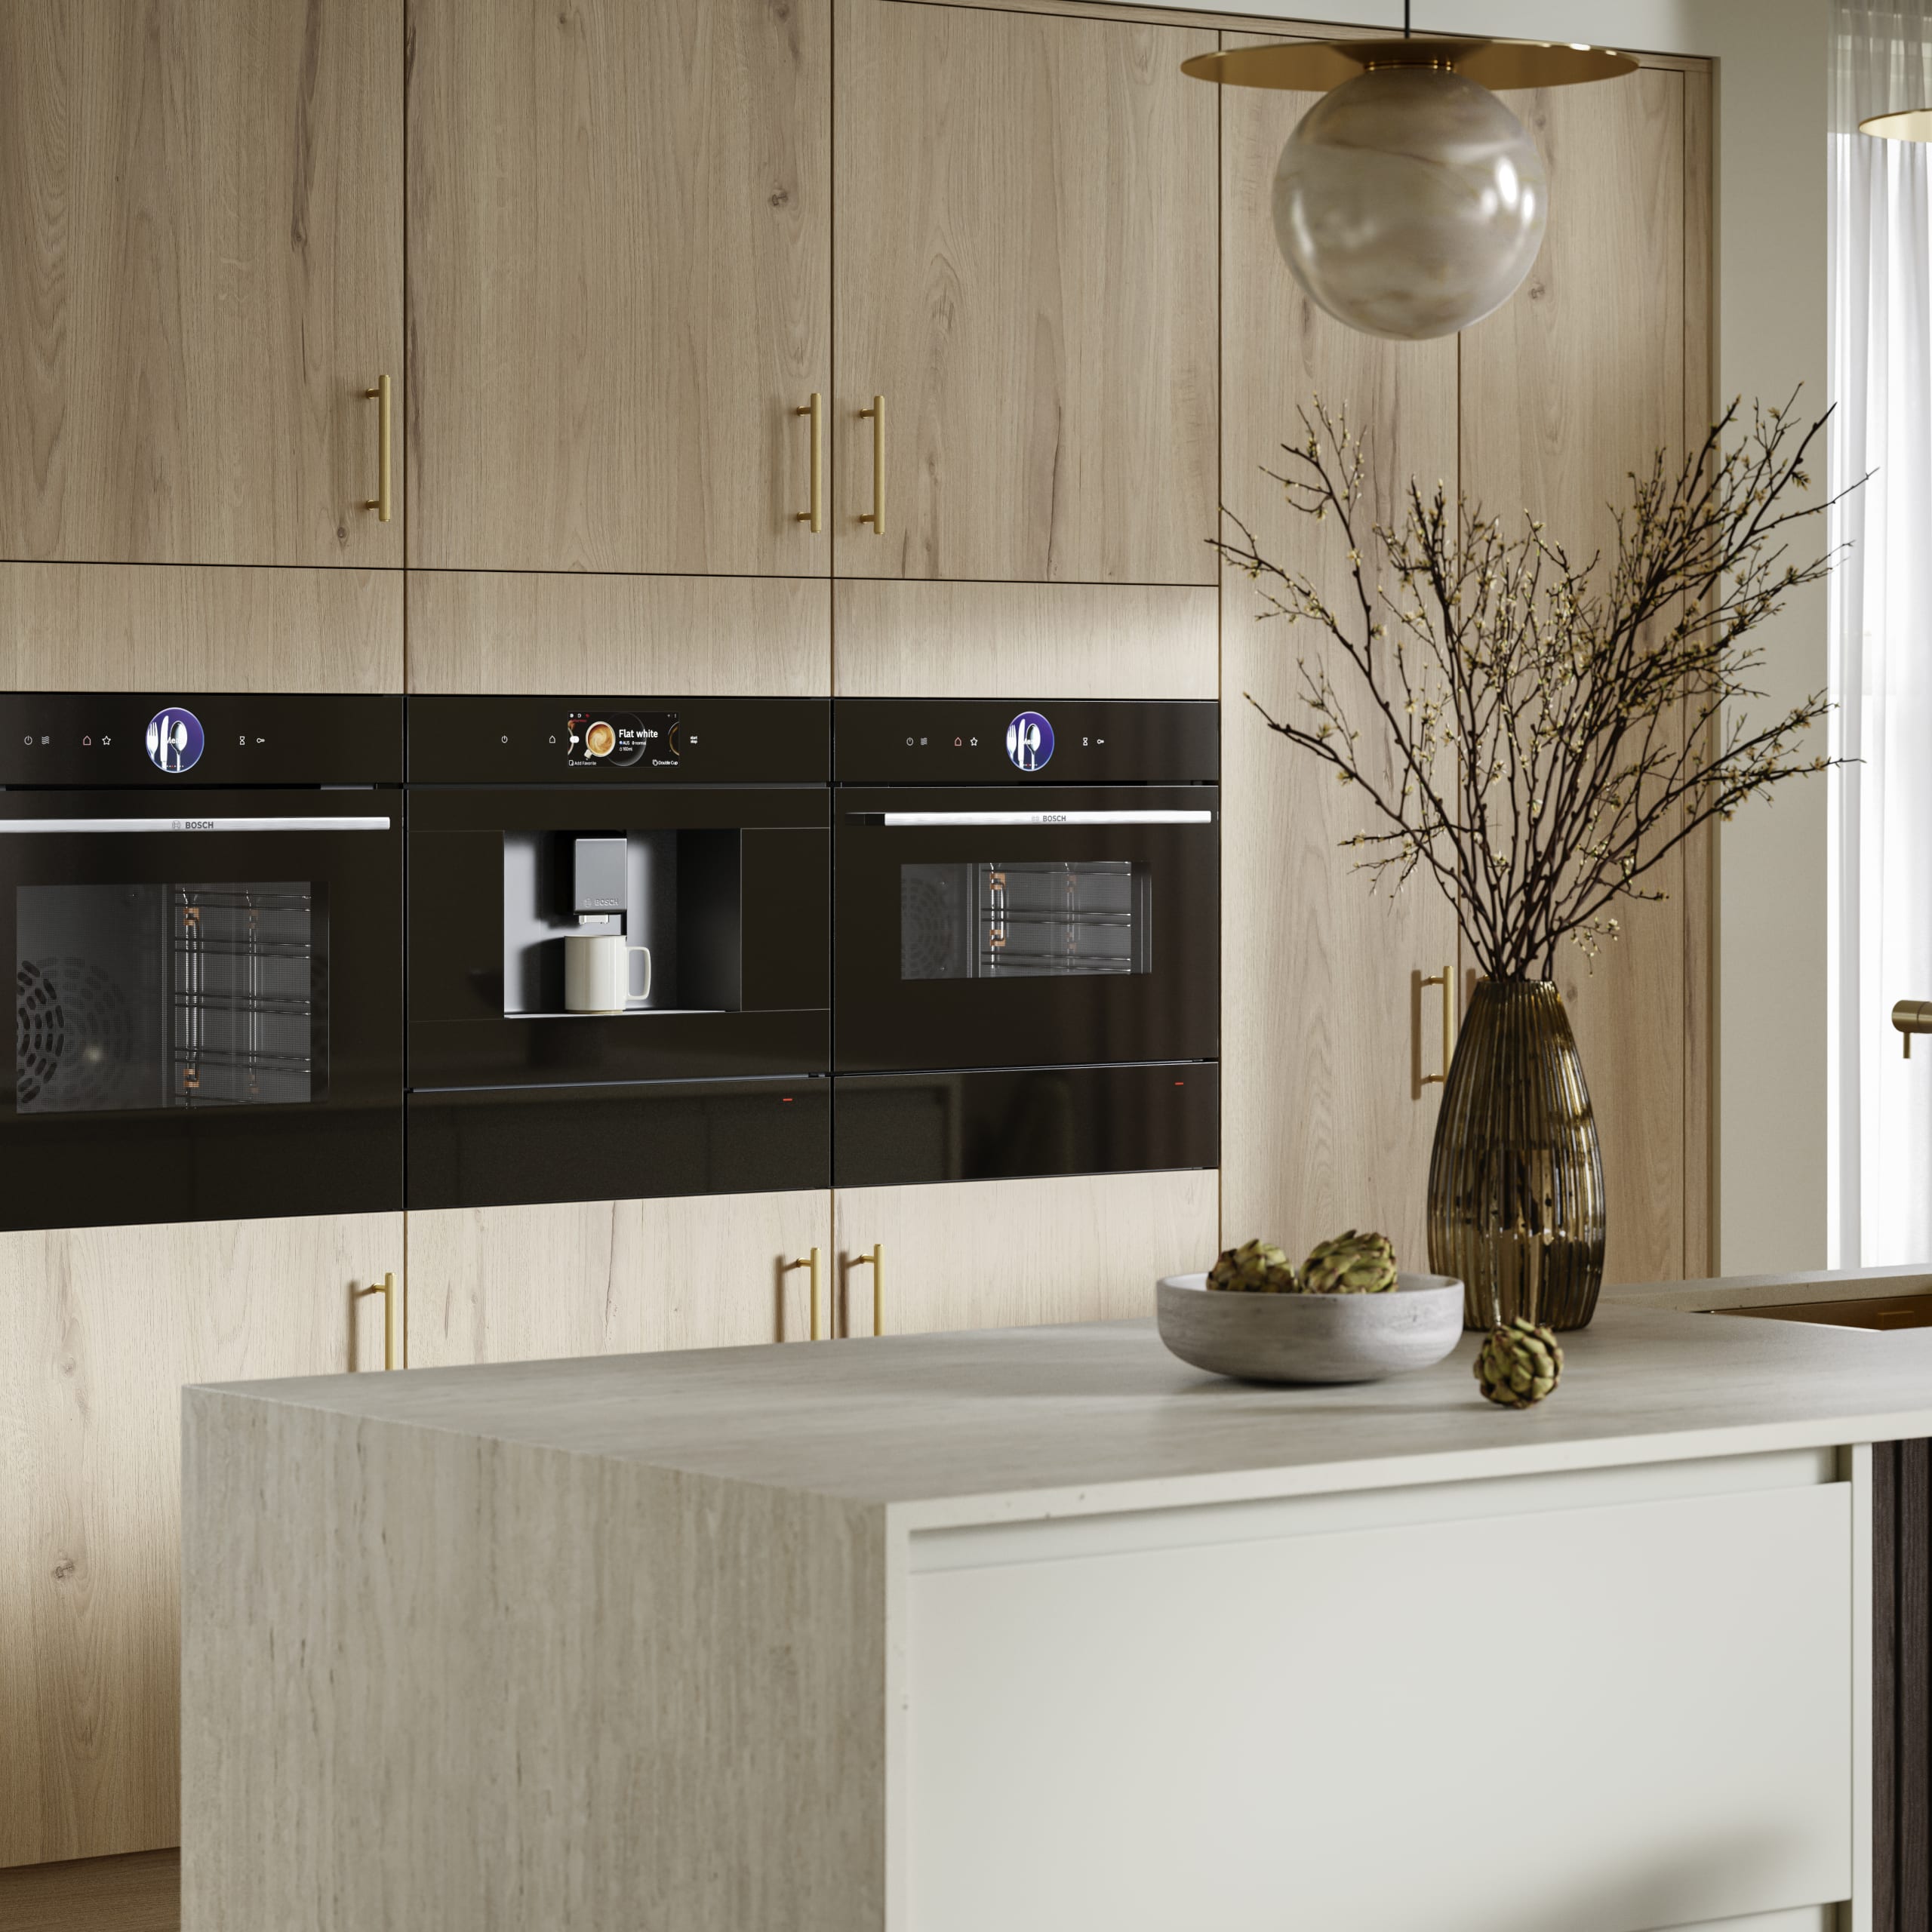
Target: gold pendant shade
[
  {"x": 1908, "y": 124},
  {"x": 1315, "y": 66}
]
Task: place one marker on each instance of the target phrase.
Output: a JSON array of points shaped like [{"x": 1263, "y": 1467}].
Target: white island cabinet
[{"x": 1013, "y": 1631}]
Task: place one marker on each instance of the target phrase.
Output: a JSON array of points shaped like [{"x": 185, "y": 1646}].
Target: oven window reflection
[
  {"x": 180, "y": 995},
  {"x": 987, "y": 920}
]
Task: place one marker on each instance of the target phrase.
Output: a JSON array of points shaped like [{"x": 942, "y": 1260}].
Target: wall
[{"x": 1772, "y": 1026}]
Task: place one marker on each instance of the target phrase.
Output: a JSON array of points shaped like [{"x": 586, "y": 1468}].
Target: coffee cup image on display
[{"x": 600, "y": 740}]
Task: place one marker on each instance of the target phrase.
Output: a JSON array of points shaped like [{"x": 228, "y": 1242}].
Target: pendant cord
[{"x": 1408, "y": 31}]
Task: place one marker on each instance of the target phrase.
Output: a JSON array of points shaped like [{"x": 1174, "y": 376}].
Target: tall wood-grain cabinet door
[
  {"x": 1015, "y": 1254},
  {"x": 99, "y": 1328},
  {"x": 595, "y": 1277},
  {"x": 200, "y": 279},
  {"x": 619, "y": 251},
  {"x": 1599, "y": 361},
  {"x": 1025, "y": 275},
  {"x": 1328, "y": 1030}
]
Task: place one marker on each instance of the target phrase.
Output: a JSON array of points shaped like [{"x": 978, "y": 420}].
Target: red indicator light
[
  {"x": 786, "y": 1101},
  {"x": 1180, "y": 1083}
]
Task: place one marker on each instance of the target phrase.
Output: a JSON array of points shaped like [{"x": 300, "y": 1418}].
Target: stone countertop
[{"x": 1007, "y": 1425}]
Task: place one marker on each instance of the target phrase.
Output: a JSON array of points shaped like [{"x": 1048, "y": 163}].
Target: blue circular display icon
[
  {"x": 174, "y": 740},
  {"x": 1029, "y": 741}
]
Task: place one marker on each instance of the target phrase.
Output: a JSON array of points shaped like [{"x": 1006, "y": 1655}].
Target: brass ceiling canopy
[
  {"x": 1909, "y": 123},
  {"x": 1315, "y": 66}
]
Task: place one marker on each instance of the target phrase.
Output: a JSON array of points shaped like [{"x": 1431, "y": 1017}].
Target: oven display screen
[{"x": 985, "y": 919}]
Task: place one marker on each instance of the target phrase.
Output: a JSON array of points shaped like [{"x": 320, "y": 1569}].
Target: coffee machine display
[{"x": 619, "y": 976}]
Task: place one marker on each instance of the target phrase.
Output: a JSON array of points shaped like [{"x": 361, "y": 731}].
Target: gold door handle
[
  {"x": 875, "y": 1261},
  {"x": 876, "y": 517},
  {"x": 818, "y": 1299},
  {"x": 815, "y": 516},
  {"x": 1446, "y": 980},
  {"x": 1911, "y": 1017},
  {"x": 380, "y": 502},
  {"x": 385, "y": 1287}
]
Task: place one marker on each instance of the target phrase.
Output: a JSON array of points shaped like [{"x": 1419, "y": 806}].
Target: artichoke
[
  {"x": 1520, "y": 1363},
  {"x": 1255, "y": 1268},
  {"x": 1351, "y": 1264}
]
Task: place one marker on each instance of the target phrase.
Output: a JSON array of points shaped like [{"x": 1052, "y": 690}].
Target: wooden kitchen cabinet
[
  {"x": 613, "y": 1276},
  {"x": 1025, "y": 271},
  {"x": 1326, "y": 1029},
  {"x": 99, "y": 1328},
  {"x": 201, "y": 275},
  {"x": 1012, "y": 1254},
  {"x": 1601, "y": 359},
  {"x": 619, "y": 234}
]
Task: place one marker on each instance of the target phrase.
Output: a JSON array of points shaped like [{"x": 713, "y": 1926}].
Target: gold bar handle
[
  {"x": 875, "y": 1261},
  {"x": 876, "y": 518},
  {"x": 1911, "y": 1017},
  {"x": 385, "y": 1287},
  {"x": 380, "y": 396},
  {"x": 815, "y": 516},
  {"x": 1446, "y": 980},
  {"x": 818, "y": 1299}
]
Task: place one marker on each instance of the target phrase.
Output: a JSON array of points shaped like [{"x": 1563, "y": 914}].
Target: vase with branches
[{"x": 1536, "y": 732}]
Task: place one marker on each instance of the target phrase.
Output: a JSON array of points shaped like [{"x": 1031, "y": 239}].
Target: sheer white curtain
[{"x": 1881, "y": 618}]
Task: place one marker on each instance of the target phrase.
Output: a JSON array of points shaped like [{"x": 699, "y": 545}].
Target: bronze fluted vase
[{"x": 1515, "y": 1181}]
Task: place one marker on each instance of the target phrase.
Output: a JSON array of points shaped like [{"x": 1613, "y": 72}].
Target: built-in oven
[
  {"x": 619, "y": 948},
  {"x": 203, "y": 903},
  {"x": 1027, "y": 944}
]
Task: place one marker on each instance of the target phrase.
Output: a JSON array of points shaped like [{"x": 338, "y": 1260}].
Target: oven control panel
[
  {"x": 1017, "y": 741},
  {"x": 202, "y": 738}
]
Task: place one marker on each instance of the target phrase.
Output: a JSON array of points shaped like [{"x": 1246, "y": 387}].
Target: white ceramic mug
[{"x": 597, "y": 973}]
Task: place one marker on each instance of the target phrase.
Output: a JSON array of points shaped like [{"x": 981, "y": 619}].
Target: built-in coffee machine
[{"x": 619, "y": 979}]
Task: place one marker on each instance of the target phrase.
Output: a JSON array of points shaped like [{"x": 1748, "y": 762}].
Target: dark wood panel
[
  {"x": 1902, "y": 1687},
  {"x": 140, "y": 1893}
]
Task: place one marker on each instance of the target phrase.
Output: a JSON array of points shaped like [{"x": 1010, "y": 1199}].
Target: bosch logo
[
  {"x": 174, "y": 740},
  {"x": 1029, "y": 741}
]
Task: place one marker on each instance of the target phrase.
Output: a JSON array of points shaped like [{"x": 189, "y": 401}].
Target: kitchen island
[{"x": 1040, "y": 1628}]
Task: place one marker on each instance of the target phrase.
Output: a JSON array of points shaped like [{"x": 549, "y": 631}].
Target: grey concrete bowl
[{"x": 1311, "y": 1338}]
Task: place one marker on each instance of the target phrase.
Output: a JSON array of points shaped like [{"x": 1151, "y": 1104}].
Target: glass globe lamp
[{"x": 1409, "y": 202}]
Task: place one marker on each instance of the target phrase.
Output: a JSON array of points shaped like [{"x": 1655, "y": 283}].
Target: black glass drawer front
[
  {"x": 584, "y": 739},
  {"x": 903, "y": 1130},
  {"x": 509, "y": 1148},
  {"x": 1075, "y": 741}
]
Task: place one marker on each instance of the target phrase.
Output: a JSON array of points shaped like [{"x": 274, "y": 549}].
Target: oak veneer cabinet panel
[
  {"x": 139, "y": 1892},
  {"x": 99, "y": 1330},
  {"x": 1015, "y": 1253},
  {"x": 549, "y": 632},
  {"x": 612, "y": 1276},
  {"x": 107, "y": 627},
  {"x": 620, "y": 236},
  {"x": 750, "y": 1655},
  {"x": 1037, "y": 640},
  {"x": 201, "y": 276},
  {"x": 1326, "y": 1028},
  {"x": 1579, "y": 379},
  {"x": 1024, "y": 269}
]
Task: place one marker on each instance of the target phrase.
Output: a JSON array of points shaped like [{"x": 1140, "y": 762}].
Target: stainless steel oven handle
[
  {"x": 1038, "y": 818},
  {"x": 37, "y": 826}
]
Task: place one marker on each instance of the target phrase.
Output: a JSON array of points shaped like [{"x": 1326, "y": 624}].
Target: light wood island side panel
[
  {"x": 612, "y": 1276},
  {"x": 1013, "y": 640},
  {"x": 1326, "y": 1030},
  {"x": 1579, "y": 379},
  {"x": 107, "y": 627},
  {"x": 1025, "y": 270},
  {"x": 99, "y": 1330},
  {"x": 1015, "y": 1254},
  {"x": 619, "y": 234},
  {"x": 591, "y": 1694},
  {"x": 201, "y": 275},
  {"x": 550, "y": 632}
]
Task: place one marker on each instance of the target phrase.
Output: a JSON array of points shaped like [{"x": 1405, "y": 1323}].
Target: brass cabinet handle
[
  {"x": 818, "y": 1300},
  {"x": 875, "y": 1261},
  {"x": 876, "y": 517},
  {"x": 385, "y": 1287},
  {"x": 380, "y": 396},
  {"x": 815, "y": 516},
  {"x": 1911, "y": 1017},
  {"x": 1446, "y": 980}
]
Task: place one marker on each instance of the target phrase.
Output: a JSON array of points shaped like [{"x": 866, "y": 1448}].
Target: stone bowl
[{"x": 1311, "y": 1338}]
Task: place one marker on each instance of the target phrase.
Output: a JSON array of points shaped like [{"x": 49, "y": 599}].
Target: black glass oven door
[
  {"x": 973, "y": 928},
  {"x": 207, "y": 1006}
]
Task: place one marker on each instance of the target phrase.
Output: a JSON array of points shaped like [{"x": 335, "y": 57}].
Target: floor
[{"x": 140, "y": 1893}]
